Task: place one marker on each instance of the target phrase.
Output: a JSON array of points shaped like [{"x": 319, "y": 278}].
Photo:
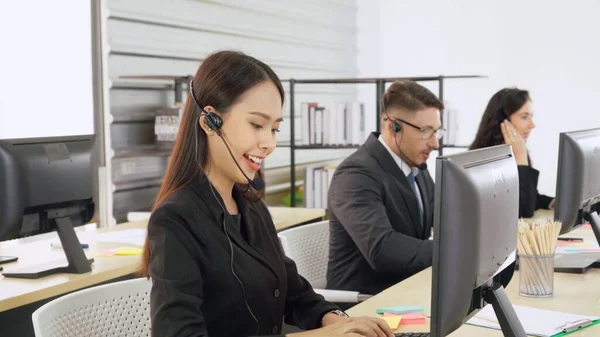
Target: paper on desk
[
  {"x": 536, "y": 322},
  {"x": 590, "y": 246},
  {"x": 133, "y": 237}
]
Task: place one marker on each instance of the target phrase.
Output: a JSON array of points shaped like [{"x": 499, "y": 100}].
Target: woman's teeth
[{"x": 254, "y": 159}]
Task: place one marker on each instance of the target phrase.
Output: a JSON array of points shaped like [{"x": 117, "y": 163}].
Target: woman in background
[
  {"x": 212, "y": 252},
  {"x": 508, "y": 119}
]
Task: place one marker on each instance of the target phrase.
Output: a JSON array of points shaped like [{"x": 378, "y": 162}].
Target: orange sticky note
[{"x": 393, "y": 321}]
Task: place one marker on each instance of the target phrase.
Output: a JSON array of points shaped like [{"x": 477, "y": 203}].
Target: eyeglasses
[{"x": 426, "y": 132}]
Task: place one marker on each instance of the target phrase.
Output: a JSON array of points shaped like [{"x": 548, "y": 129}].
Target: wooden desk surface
[
  {"x": 285, "y": 217},
  {"x": 573, "y": 293},
  {"x": 15, "y": 292}
]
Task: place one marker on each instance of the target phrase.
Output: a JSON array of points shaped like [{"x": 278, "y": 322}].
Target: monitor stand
[
  {"x": 77, "y": 262},
  {"x": 595, "y": 223},
  {"x": 505, "y": 313}
]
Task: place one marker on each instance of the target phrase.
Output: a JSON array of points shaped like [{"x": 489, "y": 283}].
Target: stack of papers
[{"x": 537, "y": 322}]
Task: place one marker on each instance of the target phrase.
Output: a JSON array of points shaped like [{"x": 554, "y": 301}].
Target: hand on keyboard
[{"x": 412, "y": 334}]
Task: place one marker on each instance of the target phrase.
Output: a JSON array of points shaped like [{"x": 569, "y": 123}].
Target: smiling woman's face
[
  {"x": 522, "y": 120},
  {"x": 250, "y": 129}
]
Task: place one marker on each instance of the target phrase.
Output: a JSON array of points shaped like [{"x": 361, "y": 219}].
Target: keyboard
[{"x": 412, "y": 334}]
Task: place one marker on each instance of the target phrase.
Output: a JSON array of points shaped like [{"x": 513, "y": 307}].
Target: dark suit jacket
[
  {"x": 376, "y": 239},
  {"x": 194, "y": 292},
  {"x": 529, "y": 198}
]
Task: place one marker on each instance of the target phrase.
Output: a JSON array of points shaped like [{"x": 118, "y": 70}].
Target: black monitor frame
[
  {"x": 48, "y": 187},
  {"x": 475, "y": 224},
  {"x": 578, "y": 180}
]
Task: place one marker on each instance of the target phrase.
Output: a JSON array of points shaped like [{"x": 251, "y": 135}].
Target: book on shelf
[
  {"x": 166, "y": 125},
  {"x": 451, "y": 117},
  {"x": 317, "y": 179},
  {"x": 339, "y": 123}
]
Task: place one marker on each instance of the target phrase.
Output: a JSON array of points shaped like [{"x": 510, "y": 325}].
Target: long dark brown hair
[
  {"x": 222, "y": 78},
  {"x": 506, "y": 102}
]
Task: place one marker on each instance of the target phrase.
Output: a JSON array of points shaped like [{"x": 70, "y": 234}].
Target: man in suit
[{"x": 381, "y": 197}]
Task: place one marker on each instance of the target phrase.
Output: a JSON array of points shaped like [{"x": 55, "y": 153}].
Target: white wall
[
  {"x": 545, "y": 47},
  {"x": 45, "y": 69}
]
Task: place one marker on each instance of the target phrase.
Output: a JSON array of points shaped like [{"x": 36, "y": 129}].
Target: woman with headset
[
  {"x": 212, "y": 252},
  {"x": 508, "y": 119}
]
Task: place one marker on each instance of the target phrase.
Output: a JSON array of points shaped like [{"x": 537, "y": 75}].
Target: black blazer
[
  {"x": 376, "y": 239},
  {"x": 195, "y": 293},
  {"x": 529, "y": 198}
]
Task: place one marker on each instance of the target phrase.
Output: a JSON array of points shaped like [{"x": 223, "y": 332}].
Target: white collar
[{"x": 406, "y": 169}]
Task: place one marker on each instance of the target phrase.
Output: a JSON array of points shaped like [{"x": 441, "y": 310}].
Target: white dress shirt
[{"x": 406, "y": 169}]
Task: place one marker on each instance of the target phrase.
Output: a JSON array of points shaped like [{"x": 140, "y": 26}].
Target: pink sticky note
[
  {"x": 413, "y": 315},
  {"x": 410, "y": 318},
  {"x": 413, "y": 318}
]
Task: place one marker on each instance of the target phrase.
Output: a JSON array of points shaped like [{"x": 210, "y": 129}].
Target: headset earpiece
[
  {"x": 213, "y": 121},
  {"x": 396, "y": 126}
]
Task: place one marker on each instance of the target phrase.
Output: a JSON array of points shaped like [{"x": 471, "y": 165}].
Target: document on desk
[
  {"x": 537, "y": 322},
  {"x": 134, "y": 237}
]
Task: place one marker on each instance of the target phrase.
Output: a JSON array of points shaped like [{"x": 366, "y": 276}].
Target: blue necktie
[{"x": 413, "y": 184}]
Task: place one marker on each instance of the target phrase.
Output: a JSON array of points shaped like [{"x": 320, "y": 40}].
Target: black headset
[
  {"x": 213, "y": 121},
  {"x": 396, "y": 126}
]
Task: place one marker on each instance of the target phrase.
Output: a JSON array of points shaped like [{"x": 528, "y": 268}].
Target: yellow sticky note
[
  {"x": 392, "y": 321},
  {"x": 128, "y": 251}
]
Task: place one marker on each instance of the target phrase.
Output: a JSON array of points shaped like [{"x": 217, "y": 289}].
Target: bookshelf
[{"x": 379, "y": 83}]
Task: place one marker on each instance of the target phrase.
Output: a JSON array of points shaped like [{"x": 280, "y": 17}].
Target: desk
[
  {"x": 286, "y": 217},
  {"x": 575, "y": 293},
  {"x": 16, "y": 292}
]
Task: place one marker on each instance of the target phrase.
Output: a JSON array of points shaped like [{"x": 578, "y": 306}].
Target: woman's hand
[
  {"x": 512, "y": 137},
  {"x": 351, "y": 327}
]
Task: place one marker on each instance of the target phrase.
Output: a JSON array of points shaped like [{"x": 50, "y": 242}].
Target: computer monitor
[
  {"x": 578, "y": 180},
  {"x": 47, "y": 186},
  {"x": 475, "y": 222}
]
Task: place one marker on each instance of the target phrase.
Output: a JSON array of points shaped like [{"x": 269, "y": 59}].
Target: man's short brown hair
[{"x": 408, "y": 96}]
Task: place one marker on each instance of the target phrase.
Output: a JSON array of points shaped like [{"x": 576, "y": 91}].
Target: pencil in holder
[
  {"x": 536, "y": 275},
  {"x": 536, "y": 245}
]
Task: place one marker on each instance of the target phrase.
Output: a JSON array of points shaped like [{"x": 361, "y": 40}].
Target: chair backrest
[
  {"x": 308, "y": 246},
  {"x": 115, "y": 309}
]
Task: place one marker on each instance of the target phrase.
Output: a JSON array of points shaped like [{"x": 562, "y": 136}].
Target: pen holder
[{"x": 536, "y": 275}]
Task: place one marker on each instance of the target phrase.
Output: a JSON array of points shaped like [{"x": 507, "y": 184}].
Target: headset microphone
[
  {"x": 215, "y": 122},
  {"x": 256, "y": 183}
]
